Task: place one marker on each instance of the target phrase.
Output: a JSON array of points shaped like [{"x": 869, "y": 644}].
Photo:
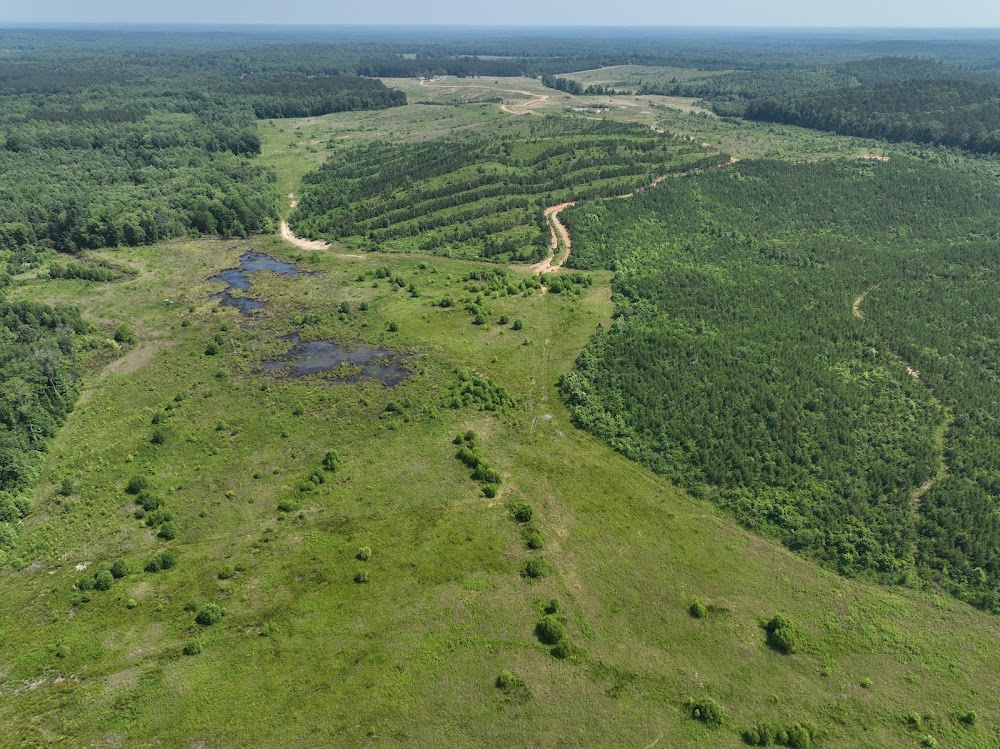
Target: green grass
[{"x": 306, "y": 655}]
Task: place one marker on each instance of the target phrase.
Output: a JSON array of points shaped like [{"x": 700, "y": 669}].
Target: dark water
[
  {"x": 359, "y": 363},
  {"x": 239, "y": 279}
]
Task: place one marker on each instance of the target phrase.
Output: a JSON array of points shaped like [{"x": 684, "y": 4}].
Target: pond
[{"x": 355, "y": 364}]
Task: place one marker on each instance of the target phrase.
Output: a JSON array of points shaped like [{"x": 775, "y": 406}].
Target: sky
[{"x": 729, "y": 13}]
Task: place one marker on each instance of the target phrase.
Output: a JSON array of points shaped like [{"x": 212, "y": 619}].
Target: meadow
[{"x": 219, "y": 554}]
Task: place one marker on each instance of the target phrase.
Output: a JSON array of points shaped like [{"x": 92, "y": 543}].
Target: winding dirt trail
[
  {"x": 941, "y": 435},
  {"x": 560, "y": 234},
  {"x": 289, "y": 236}
]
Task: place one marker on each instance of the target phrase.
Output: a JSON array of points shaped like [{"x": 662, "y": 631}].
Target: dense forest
[
  {"x": 40, "y": 376},
  {"x": 950, "y": 113},
  {"x": 735, "y": 364},
  {"x": 482, "y": 197},
  {"x": 117, "y": 147}
]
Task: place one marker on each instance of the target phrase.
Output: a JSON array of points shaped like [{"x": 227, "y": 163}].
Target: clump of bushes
[
  {"x": 162, "y": 561},
  {"x": 534, "y": 568},
  {"x": 550, "y": 629},
  {"x": 707, "y": 710},
  {"x": 361, "y": 577},
  {"x": 782, "y": 635},
  {"x": 521, "y": 511},
  {"x": 193, "y": 647},
  {"x": 469, "y": 389},
  {"x": 513, "y": 686},
  {"x": 136, "y": 484},
  {"x": 226, "y": 572},
  {"x": 209, "y": 614},
  {"x": 364, "y": 553},
  {"x": 482, "y": 471},
  {"x": 794, "y": 735},
  {"x": 698, "y": 609}
]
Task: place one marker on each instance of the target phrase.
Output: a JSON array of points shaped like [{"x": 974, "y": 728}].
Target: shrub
[
  {"x": 698, "y": 609},
  {"x": 534, "y": 569},
  {"x": 393, "y": 408},
  {"x": 361, "y": 577},
  {"x": 193, "y": 647},
  {"x": 706, "y": 710},
  {"x": 85, "y": 583},
  {"x": 446, "y": 301},
  {"x": 393, "y": 327},
  {"x": 866, "y": 683},
  {"x": 490, "y": 490},
  {"x": 345, "y": 308},
  {"x": 550, "y": 630},
  {"x": 124, "y": 334},
  {"x": 298, "y": 409},
  {"x": 503, "y": 320},
  {"x": 968, "y": 719},
  {"x": 147, "y": 500},
  {"x": 533, "y": 539},
  {"x": 508, "y": 681},
  {"x": 226, "y": 572},
  {"x": 131, "y": 603},
  {"x": 163, "y": 561},
  {"x": 522, "y": 512},
  {"x": 364, "y": 553},
  {"x": 928, "y": 741},
  {"x": 212, "y": 349},
  {"x": 286, "y": 505},
  {"x": 331, "y": 460},
  {"x": 210, "y": 613},
  {"x": 167, "y": 532},
  {"x": 782, "y": 635},
  {"x": 103, "y": 580},
  {"x": 119, "y": 569},
  {"x": 564, "y": 649},
  {"x": 136, "y": 484},
  {"x": 159, "y": 437},
  {"x": 798, "y": 737},
  {"x": 518, "y": 325}
]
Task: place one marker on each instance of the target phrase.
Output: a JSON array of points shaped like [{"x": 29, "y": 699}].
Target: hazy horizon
[{"x": 711, "y": 14}]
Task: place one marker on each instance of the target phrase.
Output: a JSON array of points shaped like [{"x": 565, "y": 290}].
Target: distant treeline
[{"x": 949, "y": 113}]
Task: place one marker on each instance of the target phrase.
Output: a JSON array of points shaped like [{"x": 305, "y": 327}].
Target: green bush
[
  {"x": 193, "y": 647},
  {"x": 550, "y": 629},
  {"x": 167, "y": 532},
  {"x": 103, "y": 580},
  {"x": 163, "y": 561},
  {"x": 533, "y": 569},
  {"x": 212, "y": 349},
  {"x": 364, "y": 553},
  {"x": 521, "y": 511},
  {"x": 158, "y": 437},
  {"x": 210, "y": 613},
  {"x": 518, "y": 325},
  {"x": 929, "y": 742},
  {"x": 490, "y": 490},
  {"x": 393, "y": 327},
  {"x": 782, "y": 635},
  {"x": 968, "y": 719},
  {"x": 707, "y": 710},
  {"x": 563, "y": 649},
  {"x": 226, "y": 572},
  {"x": 331, "y": 460},
  {"x": 137, "y": 484},
  {"x": 85, "y": 583},
  {"x": 124, "y": 334},
  {"x": 361, "y": 577},
  {"x": 345, "y": 308},
  {"x": 119, "y": 569},
  {"x": 533, "y": 539},
  {"x": 512, "y": 684},
  {"x": 698, "y": 609}
]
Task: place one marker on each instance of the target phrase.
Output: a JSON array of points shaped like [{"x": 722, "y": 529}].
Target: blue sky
[{"x": 798, "y": 13}]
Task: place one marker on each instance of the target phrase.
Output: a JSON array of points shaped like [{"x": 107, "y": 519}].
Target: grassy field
[{"x": 306, "y": 656}]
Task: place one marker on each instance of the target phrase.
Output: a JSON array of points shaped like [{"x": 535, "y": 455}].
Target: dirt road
[{"x": 289, "y": 236}]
